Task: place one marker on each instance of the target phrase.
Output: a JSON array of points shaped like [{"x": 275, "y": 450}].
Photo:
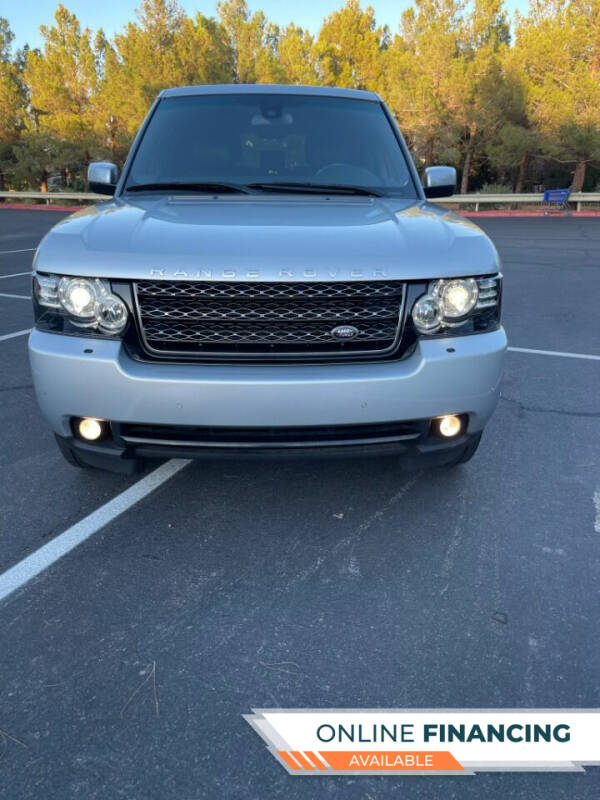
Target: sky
[{"x": 25, "y": 16}]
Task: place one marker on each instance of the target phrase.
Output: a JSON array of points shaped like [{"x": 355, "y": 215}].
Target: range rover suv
[{"x": 268, "y": 277}]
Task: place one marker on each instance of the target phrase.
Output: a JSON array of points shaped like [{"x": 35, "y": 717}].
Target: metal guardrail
[
  {"x": 477, "y": 200},
  {"x": 49, "y": 196},
  {"x": 508, "y": 198}
]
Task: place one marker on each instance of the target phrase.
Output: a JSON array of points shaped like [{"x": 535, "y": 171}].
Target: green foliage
[
  {"x": 295, "y": 50},
  {"x": 252, "y": 42},
  {"x": 12, "y": 111},
  {"x": 36, "y": 157},
  {"x": 418, "y": 76},
  {"x": 510, "y": 151},
  {"x": 494, "y": 188},
  {"x": 163, "y": 48},
  {"x": 502, "y": 112},
  {"x": 62, "y": 82},
  {"x": 347, "y": 51},
  {"x": 12, "y": 101},
  {"x": 558, "y": 51}
]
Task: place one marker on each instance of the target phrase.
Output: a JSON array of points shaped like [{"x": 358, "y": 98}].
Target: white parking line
[
  {"x": 24, "y": 250},
  {"x": 16, "y": 275},
  {"x": 14, "y": 335},
  {"x": 553, "y": 353},
  {"x": 37, "y": 562},
  {"x": 16, "y": 296}
]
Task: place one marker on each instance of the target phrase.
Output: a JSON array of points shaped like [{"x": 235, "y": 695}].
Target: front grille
[
  {"x": 272, "y": 437},
  {"x": 268, "y": 320}
]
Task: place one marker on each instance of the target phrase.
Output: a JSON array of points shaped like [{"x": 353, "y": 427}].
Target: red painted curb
[{"x": 546, "y": 214}]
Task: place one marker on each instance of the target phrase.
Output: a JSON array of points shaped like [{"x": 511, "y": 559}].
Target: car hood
[{"x": 266, "y": 237}]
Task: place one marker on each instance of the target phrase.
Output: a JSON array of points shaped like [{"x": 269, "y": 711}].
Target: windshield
[{"x": 246, "y": 139}]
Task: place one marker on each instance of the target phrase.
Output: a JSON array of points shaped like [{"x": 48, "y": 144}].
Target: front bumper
[{"x": 75, "y": 376}]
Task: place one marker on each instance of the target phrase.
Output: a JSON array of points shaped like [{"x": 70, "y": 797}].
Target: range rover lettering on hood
[{"x": 202, "y": 274}]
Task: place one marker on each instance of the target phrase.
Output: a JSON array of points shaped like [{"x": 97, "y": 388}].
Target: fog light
[
  {"x": 91, "y": 429},
  {"x": 449, "y": 425}
]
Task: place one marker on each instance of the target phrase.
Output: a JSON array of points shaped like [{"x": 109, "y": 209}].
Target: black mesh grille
[
  {"x": 268, "y": 319},
  {"x": 159, "y": 308},
  {"x": 243, "y": 291},
  {"x": 278, "y": 334}
]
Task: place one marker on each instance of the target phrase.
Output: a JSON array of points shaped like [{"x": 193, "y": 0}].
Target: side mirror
[
  {"x": 102, "y": 177},
  {"x": 439, "y": 181}
]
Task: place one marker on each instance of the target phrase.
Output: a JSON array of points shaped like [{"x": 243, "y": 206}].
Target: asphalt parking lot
[{"x": 127, "y": 665}]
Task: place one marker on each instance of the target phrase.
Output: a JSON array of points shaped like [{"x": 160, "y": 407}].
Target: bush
[{"x": 495, "y": 188}]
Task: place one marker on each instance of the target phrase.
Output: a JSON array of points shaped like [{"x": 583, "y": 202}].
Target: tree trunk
[
  {"x": 112, "y": 137},
  {"x": 429, "y": 152},
  {"x": 464, "y": 181},
  {"x": 522, "y": 172},
  {"x": 579, "y": 176}
]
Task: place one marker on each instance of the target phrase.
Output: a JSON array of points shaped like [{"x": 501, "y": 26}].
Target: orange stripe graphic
[
  {"x": 289, "y": 760},
  {"x": 304, "y": 761},
  {"x": 315, "y": 759}
]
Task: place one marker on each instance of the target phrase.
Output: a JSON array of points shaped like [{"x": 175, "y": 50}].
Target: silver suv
[{"x": 267, "y": 278}]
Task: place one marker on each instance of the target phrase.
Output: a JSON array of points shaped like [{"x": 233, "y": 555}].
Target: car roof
[{"x": 269, "y": 88}]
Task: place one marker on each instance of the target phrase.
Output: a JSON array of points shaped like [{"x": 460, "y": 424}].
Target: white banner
[{"x": 432, "y": 741}]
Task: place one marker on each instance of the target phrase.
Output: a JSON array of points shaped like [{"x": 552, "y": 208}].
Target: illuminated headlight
[
  {"x": 457, "y": 297},
  {"x": 85, "y": 302},
  {"x": 458, "y": 305},
  {"x": 77, "y": 297}
]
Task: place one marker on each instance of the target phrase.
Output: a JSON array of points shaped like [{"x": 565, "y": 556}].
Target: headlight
[
  {"x": 427, "y": 314},
  {"x": 111, "y": 313},
  {"x": 81, "y": 302},
  {"x": 457, "y": 297},
  {"x": 459, "y": 305},
  {"x": 77, "y": 297},
  {"x": 46, "y": 290}
]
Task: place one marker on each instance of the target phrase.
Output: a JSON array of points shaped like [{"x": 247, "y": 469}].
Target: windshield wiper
[
  {"x": 270, "y": 186},
  {"x": 218, "y": 188},
  {"x": 314, "y": 188}
]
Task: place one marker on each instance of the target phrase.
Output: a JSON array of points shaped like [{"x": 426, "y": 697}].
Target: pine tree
[
  {"x": 481, "y": 98},
  {"x": 12, "y": 101},
  {"x": 558, "y": 51},
  {"x": 418, "y": 68},
  {"x": 348, "y": 48},
  {"x": 253, "y": 43},
  {"x": 62, "y": 82},
  {"x": 296, "y": 56}
]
